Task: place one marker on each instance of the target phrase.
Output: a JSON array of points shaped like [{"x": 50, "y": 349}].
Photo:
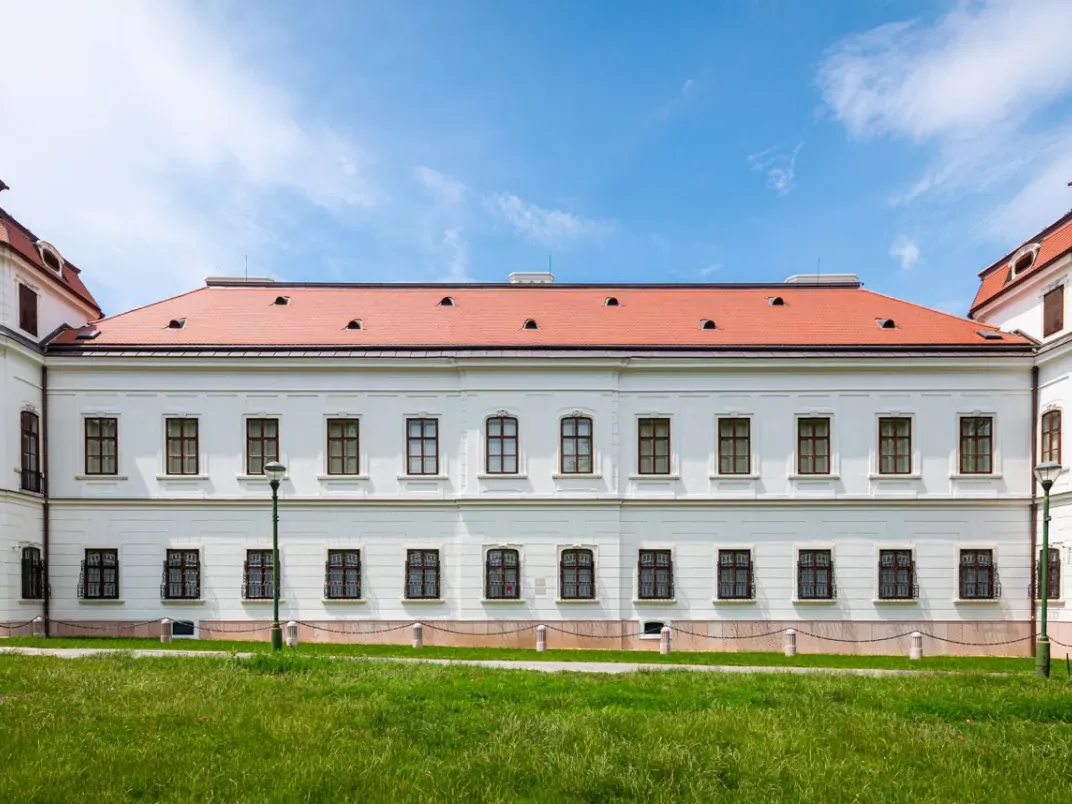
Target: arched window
[
  {"x": 576, "y": 579},
  {"x": 1051, "y": 436},
  {"x": 500, "y": 449},
  {"x": 576, "y": 445},
  {"x": 501, "y": 571}
]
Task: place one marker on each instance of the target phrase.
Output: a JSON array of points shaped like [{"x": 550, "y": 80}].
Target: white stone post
[
  {"x": 165, "y": 630},
  {"x": 664, "y": 640},
  {"x": 791, "y": 642},
  {"x": 916, "y": 651},
  {"x": 292, "y": 634},
  {"x": 418, "y": 635},
  {"x": 541, "y": 638},
  {"x": 38, "y": 626}
]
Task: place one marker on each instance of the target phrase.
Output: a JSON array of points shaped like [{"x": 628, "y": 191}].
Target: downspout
[
  {"x": 1034, "y": 496},
  {"x": 45, "y": 513}
]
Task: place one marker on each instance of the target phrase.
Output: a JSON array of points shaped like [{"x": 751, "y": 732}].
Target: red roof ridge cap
[
  {"x": 962, "y": 319},
  {"x": 144, "y": 307},
  {"x": 1042, "y": 234}
]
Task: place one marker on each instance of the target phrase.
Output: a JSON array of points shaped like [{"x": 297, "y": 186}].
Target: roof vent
[
  {"x": 282, "y": 301},
  {"x": 707, "y": 324},
  {"x": 531, "y": 324},
  {"x": 886, "y": 323},
  {"x": 776, "y": 301},
  {"x": 531, "y": 278},
  {"x": 87, "y": 335},
  {"x": 355, "y": 324},
  {"x": 177, "y": 323},
  {"x": 610, "y": 301},
  {"x": 990, "y": 335},
  {"x": 50, "y": 256},
  {"x": 446, "y": 301}
]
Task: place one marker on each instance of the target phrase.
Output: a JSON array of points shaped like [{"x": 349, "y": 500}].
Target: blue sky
[{"x": 909, "y": 142}]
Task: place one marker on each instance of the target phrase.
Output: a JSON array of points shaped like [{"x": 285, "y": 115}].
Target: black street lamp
[
  {"x": 274, "y": 471},
  {"x": 1046, "y": 473}
]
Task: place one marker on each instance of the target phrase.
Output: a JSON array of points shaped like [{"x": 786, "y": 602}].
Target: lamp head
[
  {"x": 274, "y": 471},
  {"x": 1046, "y": 473}
]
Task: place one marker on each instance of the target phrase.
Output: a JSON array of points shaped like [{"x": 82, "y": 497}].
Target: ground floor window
[
  {"x": 896, "y": 575},
  {"x": 735, "y": 580},
  {"x": 655, "y": 575},
  {"x": 182, "y": 575},
  {"x": 259, "y": 575},
  {"x": 33, "y": 574},
  {"x": 343, "y": 575},
  {"x": 100, "y": 575},
  {"x": 422, "y": 574},
  {"x": 577, "y": 575},
  {"x": 501, "y": 568}
]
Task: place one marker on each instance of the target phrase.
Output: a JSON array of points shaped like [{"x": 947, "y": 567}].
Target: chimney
[{"x": 531, "y": 278}]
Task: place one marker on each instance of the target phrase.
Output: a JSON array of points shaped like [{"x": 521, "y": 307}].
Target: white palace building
[{"x": 728, "y": 460}]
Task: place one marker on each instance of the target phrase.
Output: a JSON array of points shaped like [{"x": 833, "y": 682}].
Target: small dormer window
[
  {"x": 446, "y": 301},
  {"x": 1024, "y": 259},
  {"x": 707, "y": 324},
  {"x": 50, "y": 256},
  {"x": 886, "y": 323},
  {"x": 610, "y": 301},
  {"x": 87, "y": 335},
  {"x": 355, "y": 324},
  {"x": 776, "y": 301},
  {"x": 531, "y": 324},
  {"x": 989, "y": 335},
  {"x": 177, "y": 323},
  {"x": 281, "y": 301}
]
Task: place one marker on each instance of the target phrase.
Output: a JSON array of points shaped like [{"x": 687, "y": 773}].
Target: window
[
  {"x": 735, "y": 581},
  {"x": 100, "y": 575},
  {"x": 577, "y": 575},
  {"x": 896, "y": 575},
  {"x": 1053, "y": 579},
  {"x": 815, "y": 575},
  {"x": 894, "y": 445},
  {"x": 501, "y": 575},
  {"x": 654, "y": 446},
  {"x": 977, "y": 575},
  {"x": 343, "y": 453},
  {"x": 181, "y": 446},
  {"x": 51, "y": 260},
  {"x": 33, "y": 574},
  {"x": 655, "y": 575},
  {"x": 343, "y": 575},
  {"x": 531, "y": 324},
  {"x": 707, "y": 324},
  {"x": 182, "y": 575},
  {"x": 27, "y": 310},
  {"x": 102, "y": 446},
  {"x": 183, "y": 628},
  {"x": 259, "y": 575},
  {"x": 1024, "y": 260},
  {"x": 31, "y": 450},
  {"x": 422, "y": 436},
  {"x": 734, "y": 446},
  {"x": 1051, "y": 436},
  {"x": 501, "y": 446},
  {"x": 653, "y": 628},
  {"x": 422, "y": 574},
  {"x": 813, "y": 446},
  {"x": 576, "y": 445},
  {"x": 262, "y": 444},
  {"x": 976, "y": 445},
  {"x": 1053, "y": 311}
]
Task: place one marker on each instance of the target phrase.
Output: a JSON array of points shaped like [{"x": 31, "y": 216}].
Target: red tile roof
[
  {"x": 1055, "y": 241},
  {"x": 485, "y": 316},
  {"x": 18, "y": 238}
]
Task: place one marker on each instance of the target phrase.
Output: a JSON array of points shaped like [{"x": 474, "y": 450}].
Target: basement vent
[
  {"x": 282, "y": 301},
  {"x": 988, "y": 335},
  {"x": 707, "y": 324},
  {"x": 886, "y": 323},
  {"x": 88, "y": 335},
  {"x": 776, "y": 301},
  {"x": 177, "y": 323},
  {"x": 610, "y": 301},
  {"x": 531, "y": 324},
  {"x": 653, "y": 628},
  {"x": 355, "y": 324},
  {"x": 446, "y": 301}
]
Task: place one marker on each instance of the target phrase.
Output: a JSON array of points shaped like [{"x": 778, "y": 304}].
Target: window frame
[
  {"x": 29, "y": 315},
  {"x": 668, "y": 569},
  {"x": 1053, "y": 316},
  {"x": 183, "y": 441},
  {"x": 576, "y": 553},
  {"x": 962, "y": 456},
  {"x": 1051, "y": 435},
  {"x": 811, "y": 418},
  {"x": 344, "y": 441},
  {"x": 185, "y": 569},
  {"x": 504, "y": 568},
  {"x": 32, "y": 572},
  {"x": 101, "y": 584},
  {"x": 423, "y": 440},
  {"x": 735, "y": 441},
  {"x": 653, "y": 441},
  {"x": 749, "y": 594},
  {"x": 346, "y": 566},
  {"x": 101, "y": 440},
  {"x": 963, "y": 572},
  {"x": 912, "y": 593},
  {"x": 576, "y": 440},
  {"x": 906, "y": 441},
  {"x": 1053, "y": 590},
  {"x": 30, "y": 451},
  {"x": 815, "y": 568},
  {"x": 423, "y": 567},
  {"x": 264, "y": 457},
  {"x": 503, "y": 441},
  {"x": 268, "y": 573}
]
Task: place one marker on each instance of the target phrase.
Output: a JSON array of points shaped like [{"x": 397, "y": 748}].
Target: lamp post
[
  {"x": 1046, "y": 473},
  {"x": 274, "y": 471}
]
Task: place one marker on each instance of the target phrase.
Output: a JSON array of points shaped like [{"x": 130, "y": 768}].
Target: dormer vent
[
  {"x": 355, "y": 324},
  {"x": 776, "y": 301},
  {"x": 886, "y": 323},
  {"x": 707, "y": 324},
  {"x": 281, "y": 301},
  {"x": 50, "y": 256},
  {"x": 177, "y": 323},
  {"x": 990, "y": 335},
  {"x": 611, "y": 301},
  {"x": 87, "y": 335},
  {"x": 1024, "y": 259},
  {"x": 531, "y": 324},
  {"x": 446, "y": 301}
]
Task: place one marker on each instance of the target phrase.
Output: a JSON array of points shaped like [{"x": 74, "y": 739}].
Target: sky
[{"x": 911, "y": 143}]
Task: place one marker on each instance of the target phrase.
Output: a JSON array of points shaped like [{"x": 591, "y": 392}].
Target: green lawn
[
  {"x": 296, "y": 728},
  {"x": 991, "y": 664}
]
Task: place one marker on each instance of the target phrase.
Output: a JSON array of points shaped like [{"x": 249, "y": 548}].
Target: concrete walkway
[{"x": 543, "y": 667}]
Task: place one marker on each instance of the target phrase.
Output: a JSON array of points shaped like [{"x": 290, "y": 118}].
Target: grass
[
  {"x": 305, "y": 728},
  {"x": 989, "y": 664}
]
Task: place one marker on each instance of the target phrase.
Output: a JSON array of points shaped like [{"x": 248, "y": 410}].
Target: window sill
[
  {"x": 423, "y": 601},
  {"x": 1051, "y": 603},
  {"x": 503, "y": 601},
  {"x": 637, "y": 478},
  {"x": 577, "y": 476},
  {"x": 654, "y": 601},
  {"x": 37, "y": 601},
  {"x": 749, "y": 476},
  {"x": 198, "y": 602},
  {"x": 108, "y": 602},
  {"x": 569, "y": 601},
  {"x": 908, "y": 476},
  {"x": 181, "y": 478},
  {"x": 256, "y": 601},
  {"x": 983, "y": 601},
  {"x": 343, "y": 601},
  {"x": 323, "y": 478},
  {"x": 881, "y": 601},
  {"x": 734, "y": 602},
  {"x": 801, "y": 601},
  {"x": 101, "y": 477},
  {"x": 259, "y": 478},
  {"x": 423, "y": 477},
  {"x": 797, "y": 476},
  {"x": 502, "y": 476},
  {"x": 980, "y": 476},
  {"x": 650, "y": 636}
]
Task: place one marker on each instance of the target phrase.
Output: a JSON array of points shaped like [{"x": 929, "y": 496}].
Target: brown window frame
[
  {"x": 33, "y": 573},
  {"x": 427, "y": 445},
  {"x": 890, "y": 585},
  {"x": 348, "y": 447},
  {"x": 975, "y": 569},
  {"x": 423, "y": 567},
  {"x": 736, "y": 578},
  {"x": 966, "y": 457},
  {"x": 497, "y": 571},
  {"x": 182, "y": 574},
  {"x": 894, "y": 447},
  {"x": 100, "y": 586},
  {"x": 342, "y": 574},
  {"x": 1053, "y": 589},
  {"x": 1051, "y": 436},
  {"x": 101, "y": 440},
  {"x": 815, "y": 574},
  {"x": 262, "y": 440},
  {"x": 30, "y": 445},
  {"x": 1053, "y": 311},
  {"x": 730, "y": 446},
  {"x": 812, "y": 439},
  {"x": 28, "y": 309},
  {"x": 507, "y": 445},
  {"x": 655, "y": 570},
  {"x": 581, "y": 574},
  {"x": 265, "y": 572},
  {"x": 188, "y": 446},
  {"x": 648, "y": 445},
  {"x": 575, "y": 440}
]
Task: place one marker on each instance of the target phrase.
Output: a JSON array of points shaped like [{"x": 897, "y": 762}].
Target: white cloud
[
  {"x": 458, "y": 264},
  {"x": 780, "y": 167},
  {"x": 707, "y": 271},
  {"x": 552, "y": 228},
  {"x": 906, "y": 250},
  {"x": 444, "y": 188}
]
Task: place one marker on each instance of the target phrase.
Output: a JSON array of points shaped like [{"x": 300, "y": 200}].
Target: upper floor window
[
  {"x": 343, "y": 447},
  {"x": 1053, "y": 311},
  {"x": 29, "y": 425},
  {"x": 100, "y": 575},
  {"x": 259, "y": 575},
  {"x": 262, "y": 444},
  {"x": 576, "y": 575},
  {"x": 654, "y": 446},
  {"x": 734, "y": 446},
  {"x": 182, "y": 446},
  {"x": 422, "y": 446},
  {"x": 501, "y": 567},
  {"x": 27, "y": 309},
  {"x": 894, "y": 445},
  {"x": 422, "y": 574},
  {"x": 976, "y": 445},
  {"x": 815, "y": 575},
  {"x": 896, "y": 575},
  {"x": 343, "y": 575},
  {"x": 33, "y": 574},
  {"x": 977, "y": 575},
  {"x": 501, "y": 446},
  {"x": 813, "y": 446},
  {"x": 182, "y": 575},
  {"x": 1051, "y": 436},
  {"x": 576, "y": 445},
  {"x": 102, "y": 446},
  {"x": 1053, "y": 575},
  {"x": 735, "y": 579},
  {"x": 655, "y": 575}
]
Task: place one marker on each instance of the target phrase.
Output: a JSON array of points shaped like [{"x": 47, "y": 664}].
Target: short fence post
[
  {"x": 664, "y": 640},
  {"x": 541, "y": 638},
  {"x": 292, "y": 634},
  {"x": 165, "y": 630},
  {"x": 916, "y": 651},
  {"x": 418, "y": 635},
  {"x": 791, "y": 642},
  {"x": 38, "y": 626}
]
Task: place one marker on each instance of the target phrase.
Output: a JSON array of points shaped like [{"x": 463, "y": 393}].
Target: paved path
[{"x": 543, "y": 667}]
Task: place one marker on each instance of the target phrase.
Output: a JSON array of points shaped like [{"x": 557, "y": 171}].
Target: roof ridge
[
  {"x": 144, "y": 307},
  {"x": 1045, "y": 232},
  {"x": 963, "y": 319}
]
